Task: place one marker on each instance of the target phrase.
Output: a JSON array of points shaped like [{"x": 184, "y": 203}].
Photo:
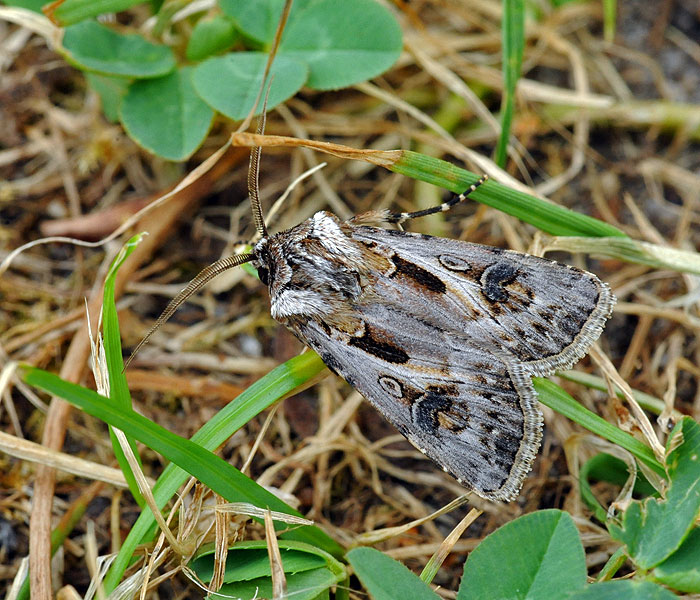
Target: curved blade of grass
[
  {"x": 513, "y": 41},
  {"x": 546, "y": 216},
  {"x": 195, "y": 454},
  {"x": 551, "y": 218},
  {"x": 613, "y": 565},
  {"x": 212, "y": 470},
  {"x": 118, "y": 389},
  {"x": 550, "y": 394},
  {"x": 629, "y": 250},
  {"x": 646, "y": 401}
]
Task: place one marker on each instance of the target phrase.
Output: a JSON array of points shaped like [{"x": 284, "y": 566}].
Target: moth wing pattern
[
  {"x": 543, "y": 314},
  {"x": 475, "y": 419},
  {"x": 451, "y": 335}
]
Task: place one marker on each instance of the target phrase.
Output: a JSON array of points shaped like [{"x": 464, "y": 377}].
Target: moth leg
[
  {"x": 372, "y": 218},
  {"x": 445, "y": 206},
  {"x": 384, "y": 217}
]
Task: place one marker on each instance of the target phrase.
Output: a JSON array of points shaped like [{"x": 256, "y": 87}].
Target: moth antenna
[
  {"x": 445, "y": 206},
  {"x": 254, "y": 185},
  {"x": 202, "y": 278},
  {"x": 254, "y": 168},
  {"x": 254, "y": 173},
  {"x": 268, "y": 65}
]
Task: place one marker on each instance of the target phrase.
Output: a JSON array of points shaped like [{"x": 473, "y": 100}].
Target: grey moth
[{"x": 441, "y": 336}]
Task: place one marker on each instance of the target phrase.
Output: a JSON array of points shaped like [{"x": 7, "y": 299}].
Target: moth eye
[
  {"x": 454, "y": 263},
  {"x": 391, "y": 386},
  {"x": 264, "y": 275}
]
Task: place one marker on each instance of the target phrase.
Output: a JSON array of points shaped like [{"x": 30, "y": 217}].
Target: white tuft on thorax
[{"x": 332, "y": 237}]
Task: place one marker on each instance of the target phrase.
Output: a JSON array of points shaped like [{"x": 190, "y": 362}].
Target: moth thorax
[{"x": 327, "y": 228}]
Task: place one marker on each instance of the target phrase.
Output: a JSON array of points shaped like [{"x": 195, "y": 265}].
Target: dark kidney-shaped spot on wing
[
  {"x": 494, "y": 278},
  {"x": 426, "y": 412}
]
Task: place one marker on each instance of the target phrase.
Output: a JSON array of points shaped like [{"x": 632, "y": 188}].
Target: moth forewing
[{"x": 441, "y": 336}]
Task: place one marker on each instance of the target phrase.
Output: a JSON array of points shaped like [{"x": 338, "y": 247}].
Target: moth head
[{"x": 262, "y": 261}]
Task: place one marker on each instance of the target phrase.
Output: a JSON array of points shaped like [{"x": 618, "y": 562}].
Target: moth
[{"x": 441, "y": 336}]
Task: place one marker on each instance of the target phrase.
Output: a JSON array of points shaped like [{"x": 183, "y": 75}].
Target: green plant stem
[
  {"x": 549, "y": 217},
  {"x": 646, "y": 401},
  {"x": 613, "y": 565},
  {"x": 513, "y": 42},
  {"x": 550, "y": 394},
  {"x": 669, "y": 116}
]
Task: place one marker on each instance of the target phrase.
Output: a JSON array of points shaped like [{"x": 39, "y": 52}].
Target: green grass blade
[
  {"x": 646, "y": 401},
  {"x": 195, "y": 455},
  {"x": 609, "y": 19},
  {"x": 118, "y": 389},
  {"x": 550, "y": 394},
  {"x": 629, "y": 250},
  {"x": 207, "y": 467},
  {"x": 551, "y": 218},
  {"x": 513, "y": 42},
  {"x": 613, "y": 565}
]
